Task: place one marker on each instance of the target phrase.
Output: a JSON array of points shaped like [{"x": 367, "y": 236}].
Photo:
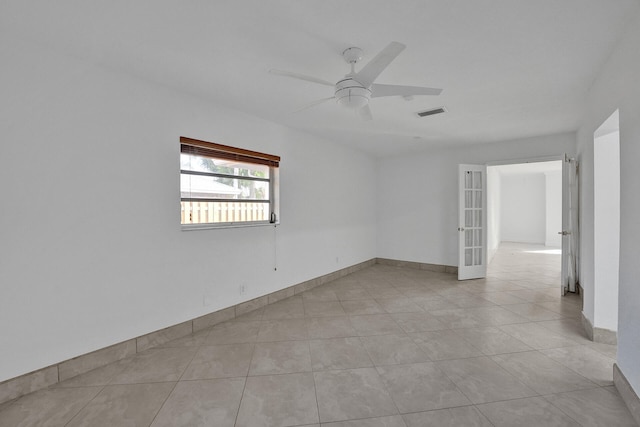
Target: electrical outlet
[
  {"x": 243, "y": 289},
  {"x": 337, "y": 260}
]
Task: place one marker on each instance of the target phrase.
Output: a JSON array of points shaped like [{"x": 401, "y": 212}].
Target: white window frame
[{"x": 212, "y": 150}]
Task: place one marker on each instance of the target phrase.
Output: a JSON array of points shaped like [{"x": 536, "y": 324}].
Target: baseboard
[
  {"x": 600, "y": 335},
  {"x": 626, "y": 392},
  {"x": 45, "y": 377},
  {"x": 438, "y": 268}
]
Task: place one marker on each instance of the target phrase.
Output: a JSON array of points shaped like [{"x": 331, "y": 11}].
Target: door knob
[{"x": 564, "y": 233}]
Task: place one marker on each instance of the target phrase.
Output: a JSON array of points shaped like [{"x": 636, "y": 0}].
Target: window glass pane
[
  {"x": 477, "y": 256},
  {"x": 212, "y": 212},
  {"x": 468, "y": 199},
  {"x": 477, "y": 237},
  {"x": 477, "y": 180},
  {"x": 468, "y": 180},
  {"x": 226, "y": 167},
  {"x": 477, "y": 199},
  {"x": 468, "y": 218},
  {"x": 468, "y": 238},
  {"x": 213, "y": 187},
  {"x": 477, "y": 218},
  {"x": 468, "y": 254}
]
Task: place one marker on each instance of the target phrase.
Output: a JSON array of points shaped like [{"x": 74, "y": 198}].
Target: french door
[
  {"x": 568, "y": 274},
  {"x": 472, "y": 222}
]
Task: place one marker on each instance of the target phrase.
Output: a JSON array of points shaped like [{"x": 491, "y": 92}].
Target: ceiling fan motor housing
[{"x": 352, "y": 94}]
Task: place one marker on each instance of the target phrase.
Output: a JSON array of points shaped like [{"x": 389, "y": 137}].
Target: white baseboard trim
[
  {"x": 626, "y": 392},
  {"x": 14, "y": 388},
  {"x": 600, "y": 335}
]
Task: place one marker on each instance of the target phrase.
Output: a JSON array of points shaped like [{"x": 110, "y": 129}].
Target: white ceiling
[{"x": 509, "y": 68}]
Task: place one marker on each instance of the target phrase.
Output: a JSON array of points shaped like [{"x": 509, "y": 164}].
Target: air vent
[{"x": 426, "y": 113}]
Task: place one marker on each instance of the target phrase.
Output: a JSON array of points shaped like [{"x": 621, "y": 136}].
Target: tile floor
[{"x": 385, "y": 347}]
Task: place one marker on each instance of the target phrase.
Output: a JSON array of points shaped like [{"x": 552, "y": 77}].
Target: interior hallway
[{"x": 386, "y": 346}]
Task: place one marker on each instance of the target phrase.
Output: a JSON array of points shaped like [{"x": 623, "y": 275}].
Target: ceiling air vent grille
[{"x": 432, "y": 112}]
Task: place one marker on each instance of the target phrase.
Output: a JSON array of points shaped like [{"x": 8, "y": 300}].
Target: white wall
[
  {"x": 418, "y": 195},
  {"x": 606, "y": 236},
  {"x": 92, "y": 252},
  {"x": 553, "y": 211},
  {"x": 616, "y": 87},
  {"x": 523, "y": 209}
]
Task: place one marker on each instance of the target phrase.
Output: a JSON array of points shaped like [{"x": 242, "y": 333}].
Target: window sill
[{"x": 193, "y": 227}]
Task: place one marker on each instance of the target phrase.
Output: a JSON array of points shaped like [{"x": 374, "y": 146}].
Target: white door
[
  {"x": 472, "y": 234},
  {"x": 569, "y": 225}
]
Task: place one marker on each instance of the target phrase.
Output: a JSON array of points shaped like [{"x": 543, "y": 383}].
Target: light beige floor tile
[
  {"x": 384, "y": 292},
  {"x": 282, "y": 330},
  {"x": 220, "y": 361},
  {"x": 321, "y": 293},
  {"x": 569, "y": 328},
  {"x": 329, "y": 327},
  {"x": 500, "y": 298},
  {"x": 495, "y": 315},
  {"x": 537, "y": 336},
  {"x": 471, "y": 302},
  {"x": 234, "y": 333},
  {"x": 156, "y": 365},
  {"x": 533, "y": 312},
  {"x": 283, "y": 357},
  {"x": 420, "y": 387},
  {"x": 534, "y": 411},
  {"x": 48, "y": 407},
  {"x": 456, "y": 318},
  {"x": 374, "y": 324},
  {"x": 200, "y": 403},
  {"x": 541, "y": 373},
  {"x": 537, "y": 295},
  {"x": 352, "y": 294},
  {"x": 192, "y": 340},
  {"x": 610, "y": 351},
  {"x": 361, "y": 307},
  {"x": 323, "y": 309},
  {"x": 430, "y": 304},
  {"x": 398, "y": 305},
  {"x": 467, "y": 416},
  {"x": 594, "y": 407},
  {"x": 482, "y": 380},
  {"x": 587, "y": 362},
  {"x": 290, "y": 308},
  {"x": 352, "y": 394},
  {"x": 490, "y": 340},
  {"x": 124, "y": 405},
  {"x": 417, "y": 322},
  {"x": 278, "y": 400},
  {"x": 444, "y": 345},
  {"x": 393, "y": 349},
  {"x": 392, "y": 421},
  {"x": 338, "y": 353}
]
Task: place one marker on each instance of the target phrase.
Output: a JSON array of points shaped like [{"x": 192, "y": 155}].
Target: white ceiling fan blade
[
  {"x": 372, "y": 70},
  {"x": 301, "y": 77},
  {"x": 365, "y": 113},
  {"x": 396, "y": 90},
  {"x": 314, "y": 103}
]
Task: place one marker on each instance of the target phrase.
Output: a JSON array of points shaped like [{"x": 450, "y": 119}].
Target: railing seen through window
[{"x": 227, "y": 186}]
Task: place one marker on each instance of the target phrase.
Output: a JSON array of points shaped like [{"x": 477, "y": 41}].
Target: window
[{"x": 222, "y": 186}]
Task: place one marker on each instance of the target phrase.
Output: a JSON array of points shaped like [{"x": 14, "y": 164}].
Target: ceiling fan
[{"x": 356, "y": 89}]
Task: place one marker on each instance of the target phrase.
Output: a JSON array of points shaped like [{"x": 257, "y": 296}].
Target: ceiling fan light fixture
[{"x": 351, "y": 94}]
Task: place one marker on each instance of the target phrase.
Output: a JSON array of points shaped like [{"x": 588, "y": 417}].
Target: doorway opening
[{"x": 524, "y": 217}]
